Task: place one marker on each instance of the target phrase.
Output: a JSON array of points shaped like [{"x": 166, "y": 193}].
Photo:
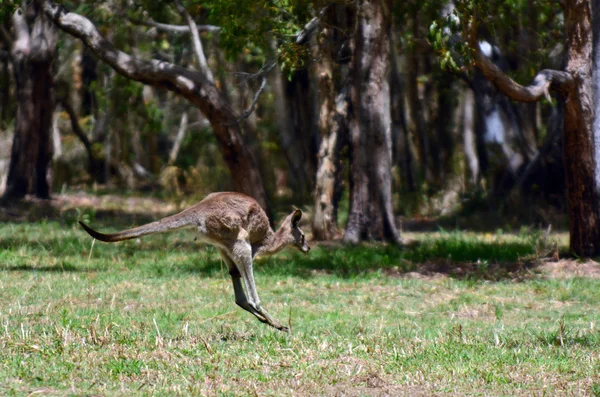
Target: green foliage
[
  {"x": 247, "y": 29},
  {"x": 7, "y": 8}
]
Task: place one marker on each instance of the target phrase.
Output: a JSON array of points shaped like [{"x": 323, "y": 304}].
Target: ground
[{"x": 456, "y": 313}]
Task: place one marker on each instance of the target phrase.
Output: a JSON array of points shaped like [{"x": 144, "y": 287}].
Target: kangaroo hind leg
[
  {"x": 242, "y": 257},
  {"x": 240, "y": 296}
]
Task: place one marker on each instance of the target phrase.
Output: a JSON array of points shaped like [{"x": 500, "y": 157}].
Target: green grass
[{"x": 157, "y": 316}]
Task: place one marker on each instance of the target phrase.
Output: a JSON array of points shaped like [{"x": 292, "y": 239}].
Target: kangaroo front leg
[
  {"x": 240, "y": 295},
  {"x": 242, "y": 256}
]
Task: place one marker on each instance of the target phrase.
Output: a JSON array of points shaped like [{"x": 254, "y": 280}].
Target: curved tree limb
[
  {"x": 173, "y": 28},
  {"x": 545, "y": 80},
  {"x": 310, "y": 28},
  {"x": 263, "y": 71},
  {"x": 93, "y": 163},
  {"x": 192, "y": 85},
  {"x": 153, "y": 72}
]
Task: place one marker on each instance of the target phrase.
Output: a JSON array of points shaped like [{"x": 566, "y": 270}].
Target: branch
[
  {"x": 262, "y": 72},
  {"x": 5, "y": 36},
  {"x": 185, "y": 82},
  {"x": 22, "y": 43},
  {"x": 173, "y": 28},
  {"x": 310, "y": 28},
  {"x": 544, "y": 81},
  {"x": 66, "y": 105},
  {"x": 246, "y": 113},
  {"x": 196, "y": 41},
  {"x": 180, "y": 135}
]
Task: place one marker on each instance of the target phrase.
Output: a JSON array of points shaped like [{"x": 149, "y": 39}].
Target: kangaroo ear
[{"x": 296, "y": 218}]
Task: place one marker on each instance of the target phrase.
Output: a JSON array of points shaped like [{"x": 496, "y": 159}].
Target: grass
[{"x": 458, "y": 314}]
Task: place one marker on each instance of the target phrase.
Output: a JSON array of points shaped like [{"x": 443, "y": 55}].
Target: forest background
[{"x": 357, "y": 113}]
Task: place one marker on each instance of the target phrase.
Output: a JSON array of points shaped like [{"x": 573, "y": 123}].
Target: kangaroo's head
[{"x": 294, "y": 235}]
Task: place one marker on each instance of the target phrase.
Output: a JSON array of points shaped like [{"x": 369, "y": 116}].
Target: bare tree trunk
[
  {"x": 5, "y": 99},
  {"x": 333, "y": 112},
  {"x": 89, "y": 75},
  {"x": 371, "y": 212},
  {"x": 444, "y": 127},
  {"x": 581, "y": 140},
  {"x": 469, "y": 138},
  {"x": 298, "y": 136},
  {"x": 403, "y": 155},
  {"x": 328, "y": 173},
  {"x": 416, "y": 110},
  {"x": 32, "y": 55}
]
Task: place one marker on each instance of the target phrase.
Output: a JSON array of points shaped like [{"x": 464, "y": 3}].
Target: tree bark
[
  {"x": 580, "y": 139},
  {"x": 403, "y": 155},
  {"x": 371, "y": 213},
  {"x": 192, "y": 85},
  {"x": 32, "y": 56},
  {"x": 332, "y": 125},
  {"x": 5, "y": 99},
  {"x": 298, "y": 135},
  {"x": 469, "y": 138},
  {"x": 415, "y": 107},
  {"x": 333, "y": 112}
]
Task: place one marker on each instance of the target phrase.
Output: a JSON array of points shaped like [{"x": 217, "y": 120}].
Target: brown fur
[{"x": 239, "y": 227}]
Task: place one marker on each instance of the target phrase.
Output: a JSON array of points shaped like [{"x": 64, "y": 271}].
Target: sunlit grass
[{"x": 156, "y": 316}]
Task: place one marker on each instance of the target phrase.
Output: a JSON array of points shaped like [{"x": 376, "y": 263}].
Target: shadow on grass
[
  {"x": 47, "y": 268},
  {"x": 454, "y": 255}
]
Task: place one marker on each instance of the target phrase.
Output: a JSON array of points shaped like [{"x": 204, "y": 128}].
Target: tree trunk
[
  {"x": 581, "y": 140},
  {"x": 446, "y": 104},
  {"x": 415, "y": 107},
  {"x": 5, "y": 98},
  {"x": 89, "y": 75},
  {"x": 403, "y": 155},
  {"x": 332, "y": 125},
  {"x": 469, "y": 137},
  {"x": 333, "y": 112},
  {"x": 32, "y": 55},
  {"x": 371, "y": 212},
  {"x": 298, "y": 135}
]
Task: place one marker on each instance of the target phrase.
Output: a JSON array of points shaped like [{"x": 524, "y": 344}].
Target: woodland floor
[{"x": 454, "y": 313}]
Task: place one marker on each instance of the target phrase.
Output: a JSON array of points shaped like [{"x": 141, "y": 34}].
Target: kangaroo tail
[{"x": 163, "y": 225}]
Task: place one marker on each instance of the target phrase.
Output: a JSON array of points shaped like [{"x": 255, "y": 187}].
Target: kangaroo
[{"x": 238, "y": 226}]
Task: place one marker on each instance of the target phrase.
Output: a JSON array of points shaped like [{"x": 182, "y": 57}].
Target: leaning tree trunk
[
  {"x": 371, "y": 212},
  {"x": 195, "y": 86},
  {"x": 32, "y": 57}
]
